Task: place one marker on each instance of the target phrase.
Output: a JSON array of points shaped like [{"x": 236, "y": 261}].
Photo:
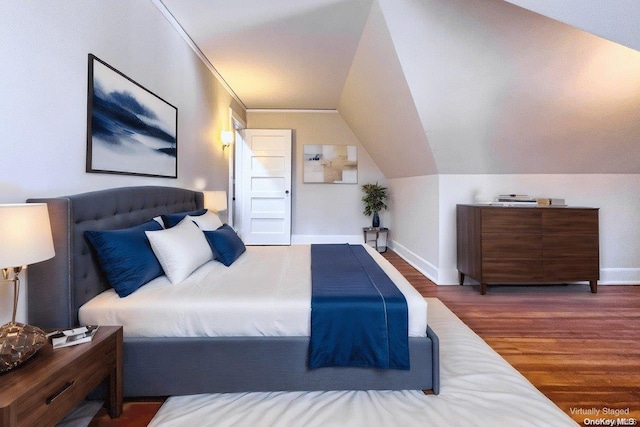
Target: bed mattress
[{"x": 265, "y": 292}]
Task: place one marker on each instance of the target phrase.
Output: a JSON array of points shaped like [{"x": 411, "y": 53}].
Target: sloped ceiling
[
  {"x": 278, "y": 53},
  {"x": 615, "y": 20},
  {"x": 378, "y": 105},
  {"x": 439, "y": 86},
  {"x": 500, "y": 89}
]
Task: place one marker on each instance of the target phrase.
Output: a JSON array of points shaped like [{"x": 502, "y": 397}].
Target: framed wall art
[
  {"x": 130, "y": 130},
  {"x": 333, "y": 164}
]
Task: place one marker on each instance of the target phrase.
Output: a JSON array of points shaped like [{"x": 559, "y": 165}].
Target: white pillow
[
  {"x": 207, "y": 222},
  {"x": 159, "y": 220},
  {"x": 180, "y": 249}
]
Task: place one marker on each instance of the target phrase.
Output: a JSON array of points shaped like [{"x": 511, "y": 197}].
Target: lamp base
[{"x": 18, "y": 342}]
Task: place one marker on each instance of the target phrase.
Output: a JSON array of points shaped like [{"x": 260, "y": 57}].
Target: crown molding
[{"x": 176, "y": 25}]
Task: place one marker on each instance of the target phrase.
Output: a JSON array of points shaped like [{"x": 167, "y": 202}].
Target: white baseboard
[
  {"x": 307, "y": 239},
  {"x": 619, "y": 276},
  {"x": 417, "y": 262}
]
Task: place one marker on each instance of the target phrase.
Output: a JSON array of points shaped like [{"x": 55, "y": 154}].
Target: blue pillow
[
  {"x": 225, "y": 244},
  {"x": 171, "y": 220},
  {"x": 126, "y": 257}
]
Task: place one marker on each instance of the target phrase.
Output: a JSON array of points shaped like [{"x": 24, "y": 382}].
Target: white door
[{"x": 266, "y": 187}]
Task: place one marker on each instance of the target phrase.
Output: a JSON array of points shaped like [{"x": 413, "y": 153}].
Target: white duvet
[{"x": 265, "y": 292}]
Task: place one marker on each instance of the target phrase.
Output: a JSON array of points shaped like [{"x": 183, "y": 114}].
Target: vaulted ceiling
[{"x": 442, "y": 86}]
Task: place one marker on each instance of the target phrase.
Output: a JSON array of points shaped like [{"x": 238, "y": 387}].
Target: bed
[{"x": 170, "y": 365}]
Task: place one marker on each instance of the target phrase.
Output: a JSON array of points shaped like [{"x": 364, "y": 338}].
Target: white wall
[
  {"x": 615, "y": 195},
  {"x": 322, "y": 212},
  {"x": 43, "y": 106},
  {"x": 414, "y": 233}
]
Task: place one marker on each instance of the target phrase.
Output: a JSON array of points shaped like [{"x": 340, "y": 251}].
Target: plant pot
[{"x": 375, "y": 223}]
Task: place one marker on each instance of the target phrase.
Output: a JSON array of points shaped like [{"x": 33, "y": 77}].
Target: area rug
[{"x": 477, "y": 388}]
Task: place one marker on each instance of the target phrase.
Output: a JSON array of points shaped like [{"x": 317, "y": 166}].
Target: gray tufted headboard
[{"x": 59, "y": 286}]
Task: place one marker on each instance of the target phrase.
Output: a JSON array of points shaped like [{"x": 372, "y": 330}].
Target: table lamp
[
  {"x": 215, "y": 201},
  {"x": 25, "y": 238}
]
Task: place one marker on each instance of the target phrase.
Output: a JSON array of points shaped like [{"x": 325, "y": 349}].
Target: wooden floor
[{"x": 581, "y": 350}]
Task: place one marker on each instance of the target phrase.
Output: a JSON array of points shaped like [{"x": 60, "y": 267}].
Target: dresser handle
[{"x": 62, "y": 390}]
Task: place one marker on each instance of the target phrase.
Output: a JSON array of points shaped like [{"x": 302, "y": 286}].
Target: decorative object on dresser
[
  {"x": 374, "y": 199},
  {"x": 25, "y": 233},
  {"x": 43, "y": 391},
  {"x": 527, "y": 245}
]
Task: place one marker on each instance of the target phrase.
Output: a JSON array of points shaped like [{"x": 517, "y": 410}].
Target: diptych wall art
[
  {"x": 333, "y": 164},
  {"x": 130, "y": 130}
]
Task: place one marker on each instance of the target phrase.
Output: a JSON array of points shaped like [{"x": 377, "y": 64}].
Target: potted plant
[{"x": 375, "y": 198}]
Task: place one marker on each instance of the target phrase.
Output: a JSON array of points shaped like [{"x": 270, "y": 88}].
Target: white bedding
[
  {"x": 477, "y": 388},
  {"x": 265, "y": 292}
]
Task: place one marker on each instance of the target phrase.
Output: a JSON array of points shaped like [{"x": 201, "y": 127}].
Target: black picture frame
[{"x": 130, "y": 130}]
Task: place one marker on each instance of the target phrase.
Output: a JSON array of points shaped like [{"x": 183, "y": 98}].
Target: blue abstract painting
[{"x": 130, "y": 130}]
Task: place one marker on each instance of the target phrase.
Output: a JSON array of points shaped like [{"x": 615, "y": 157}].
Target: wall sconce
[
  {"x": 215, "y": 201},
  {"x": 25, "y": 232},
  {"x": 227, "y": 138}
]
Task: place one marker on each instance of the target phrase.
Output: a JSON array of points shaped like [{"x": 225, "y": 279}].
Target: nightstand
[
  {"x": 377, "y": 233},
  {"x": 43, "y": 390}
]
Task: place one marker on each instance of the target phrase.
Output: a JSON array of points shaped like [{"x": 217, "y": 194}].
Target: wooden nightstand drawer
[
  {"x": 60, "y": 393},
  {"x": 44, "y": 390}
]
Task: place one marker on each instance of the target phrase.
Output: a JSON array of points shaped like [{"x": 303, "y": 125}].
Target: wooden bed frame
[{"x": 178, "y": 366}]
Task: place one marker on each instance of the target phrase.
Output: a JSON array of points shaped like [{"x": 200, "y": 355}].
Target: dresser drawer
[
  {"x": 524, "y": 246},
  {"x": 559, "y": 246},
  {"x": 505, "y": 270},
  {"x": 511, "y": 220},
  {"x": 572, "y": 268},
  {"x": 570, "y": 222}
]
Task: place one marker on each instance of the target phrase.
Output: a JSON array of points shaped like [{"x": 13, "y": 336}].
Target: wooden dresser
[{"x": 527, "y": 245}]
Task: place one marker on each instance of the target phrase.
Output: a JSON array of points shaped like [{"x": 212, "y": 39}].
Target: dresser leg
[
  {"x": 461, "y": 277},
  {"x": 483, "y": 288},
  {"x": 594, "y": 286}
]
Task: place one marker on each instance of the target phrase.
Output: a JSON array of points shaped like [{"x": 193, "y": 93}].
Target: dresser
[{"x": 527, "y": 245}]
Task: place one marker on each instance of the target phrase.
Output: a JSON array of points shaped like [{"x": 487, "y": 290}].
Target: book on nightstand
[{"x": 69, "y": 337}]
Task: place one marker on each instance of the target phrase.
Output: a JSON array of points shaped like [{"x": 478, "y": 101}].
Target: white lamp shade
[
  {"x": 215, "y": 200},
  {"x": 227, "y": 137},
  {"x": 25, "y": 234}
]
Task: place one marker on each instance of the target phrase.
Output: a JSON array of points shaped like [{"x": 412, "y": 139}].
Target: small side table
[
  {"x": 43, "y": 390},
  {"x": 368, "y": 232}
]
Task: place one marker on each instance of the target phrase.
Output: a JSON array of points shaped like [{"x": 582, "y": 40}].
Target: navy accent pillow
[
  {"x": 126, "y": 257},
  {"x": 171, "y": 220},
  {"x": 225, "y": 244}
]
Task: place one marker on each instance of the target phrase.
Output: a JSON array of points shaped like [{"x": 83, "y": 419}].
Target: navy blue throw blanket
[{"x": 359, "y": 317}]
